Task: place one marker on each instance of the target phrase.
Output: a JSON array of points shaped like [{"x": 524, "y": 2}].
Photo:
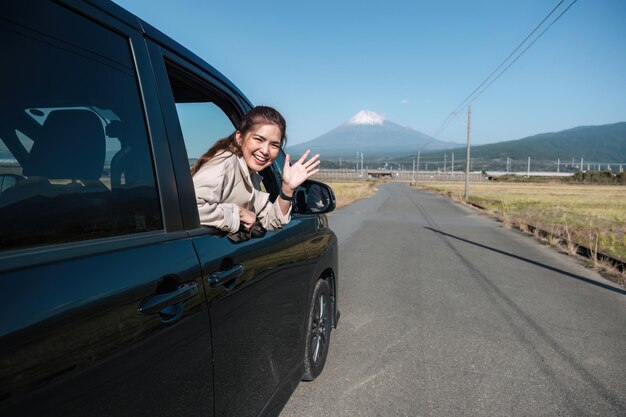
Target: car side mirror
[{"x": 313, "y": 197}]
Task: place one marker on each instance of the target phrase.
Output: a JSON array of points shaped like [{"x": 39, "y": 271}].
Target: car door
[
  {"x": 103, "y": 308},
  {"x": 256, "y": 289},
  {"x": 257, "y": 299}
]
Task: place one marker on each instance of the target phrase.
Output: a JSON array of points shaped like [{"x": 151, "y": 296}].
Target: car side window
[
  {"x": 75, "y": 161},
  {"x": 202, "y": 124},
  {"x": 204, "y": 114}
]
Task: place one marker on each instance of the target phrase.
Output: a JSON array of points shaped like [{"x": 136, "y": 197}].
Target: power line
[
  {"x": 508, "y": 57},
  {"x": 522, "y": 53},
  {"x": 470, "y": 98}
]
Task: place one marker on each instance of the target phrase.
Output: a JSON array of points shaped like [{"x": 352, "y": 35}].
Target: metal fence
[{"x": 354, "y": 175}]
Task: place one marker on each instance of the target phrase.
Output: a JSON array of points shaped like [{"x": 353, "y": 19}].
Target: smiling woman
[{"x": 227, "y": 181}]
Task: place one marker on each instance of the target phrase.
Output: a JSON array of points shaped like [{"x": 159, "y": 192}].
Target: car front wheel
[{"x": 318, "y": 331}]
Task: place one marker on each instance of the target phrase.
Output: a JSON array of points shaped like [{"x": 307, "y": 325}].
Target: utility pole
[
  {"x": 558, "y": 165},
  {"x": 467, "y": 162},
  {"x": 445, "y": 161},
  {"x": 528, "y": 171},
  {"x": 362, "y": 173},
  {"x": 418, "y": 162},
  {"x": 452, "y": 164},
  {"x": 581, "y": 164}
]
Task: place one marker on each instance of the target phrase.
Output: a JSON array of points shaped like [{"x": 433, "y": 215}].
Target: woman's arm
[
  {"x": 210, "y": 183},
  {"x": 294, "y": 175},
  {"x": 269, "y": 214},
  {"x": 274, "y": 216}
]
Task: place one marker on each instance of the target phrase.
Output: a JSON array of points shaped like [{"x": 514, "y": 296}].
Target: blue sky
[{"x": 321, "y": 62}]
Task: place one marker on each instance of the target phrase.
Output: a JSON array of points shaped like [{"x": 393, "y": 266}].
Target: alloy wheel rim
[{"x": 319, "y": 329}]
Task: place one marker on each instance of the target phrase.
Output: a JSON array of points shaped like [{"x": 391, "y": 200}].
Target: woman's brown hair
[{"x": 257, "y": 115}]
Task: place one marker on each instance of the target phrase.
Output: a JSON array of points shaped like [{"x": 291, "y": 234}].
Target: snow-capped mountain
[
  {"x": 366, "y": 117},
  {"x": 372, "y": 134}
]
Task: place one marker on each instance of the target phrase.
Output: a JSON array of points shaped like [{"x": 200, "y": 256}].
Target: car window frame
[{"x": 230, "y": 101}]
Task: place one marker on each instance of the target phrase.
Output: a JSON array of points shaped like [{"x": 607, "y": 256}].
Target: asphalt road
[{"x": 445, "y": 313}]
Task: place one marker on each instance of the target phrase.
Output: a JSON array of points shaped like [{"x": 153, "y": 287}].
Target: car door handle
[
  {"x": 157, "y": 302},
  {"x": 223, "y": 277}
]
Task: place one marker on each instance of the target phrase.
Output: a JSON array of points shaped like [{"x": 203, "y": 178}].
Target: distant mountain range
[
  {"x": 599, "y": 144},
  {"x": 383, "y": 141},
  {"x": 375, "y": 137}
]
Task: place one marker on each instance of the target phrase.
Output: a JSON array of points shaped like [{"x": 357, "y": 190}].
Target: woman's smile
[{"x": 260, "y": 146}]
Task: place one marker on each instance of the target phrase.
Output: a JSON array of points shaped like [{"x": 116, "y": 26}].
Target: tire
[{"x": 318, "y": 331}]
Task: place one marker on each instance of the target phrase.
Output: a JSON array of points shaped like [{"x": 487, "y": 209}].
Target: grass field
[
  {"x": 591, "y": 215},
  {"x": 348, "y": 192}
]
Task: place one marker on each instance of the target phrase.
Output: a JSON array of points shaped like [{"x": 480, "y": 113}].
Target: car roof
[{"x": 159, "y": 37}]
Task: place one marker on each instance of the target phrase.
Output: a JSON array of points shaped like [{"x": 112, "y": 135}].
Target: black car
[{"x": 114, "y": 299}]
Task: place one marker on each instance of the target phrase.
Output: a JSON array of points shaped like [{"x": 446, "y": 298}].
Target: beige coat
[{"x": 224, "y": 184}]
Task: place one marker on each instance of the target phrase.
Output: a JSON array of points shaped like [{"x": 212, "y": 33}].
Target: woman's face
[{"x": 260, "y": 146}]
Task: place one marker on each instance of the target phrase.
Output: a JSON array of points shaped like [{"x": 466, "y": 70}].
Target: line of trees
[{"x": 597, "y": 178}]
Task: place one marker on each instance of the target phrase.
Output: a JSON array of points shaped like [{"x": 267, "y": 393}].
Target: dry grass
[
  {"x": 612, "y": 271},
  {"x": 590, "y": 215},
  {"x": 349, "y": 192}
]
